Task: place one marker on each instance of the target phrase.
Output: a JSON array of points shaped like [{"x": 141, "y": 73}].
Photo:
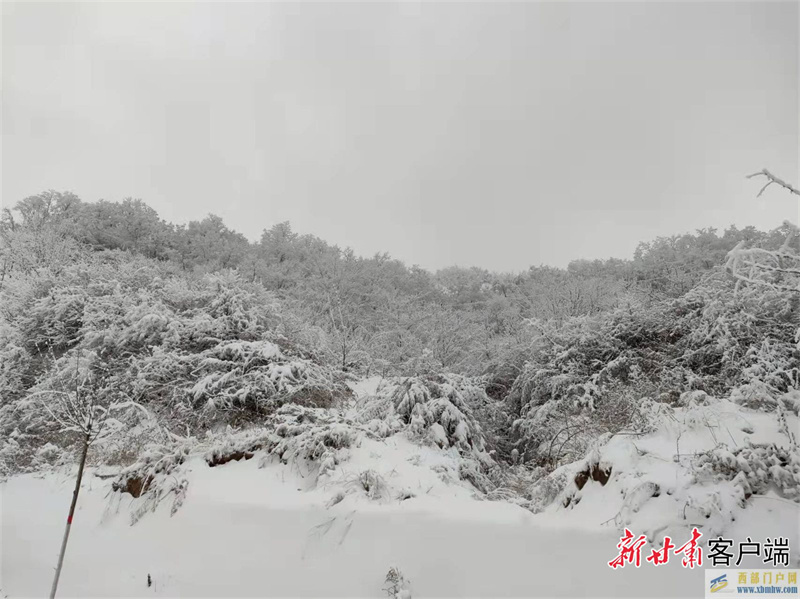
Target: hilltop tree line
[
  {"x": 201, "y": 329},
  {"x": 375, "y": 314}
]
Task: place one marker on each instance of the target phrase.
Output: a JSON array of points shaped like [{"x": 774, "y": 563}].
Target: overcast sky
[{"x": 494, "y": 134}]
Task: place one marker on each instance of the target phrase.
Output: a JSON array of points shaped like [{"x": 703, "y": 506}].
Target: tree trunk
[{"x": 69, "y": 518}]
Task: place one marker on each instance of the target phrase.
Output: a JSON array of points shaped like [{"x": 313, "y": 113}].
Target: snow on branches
[
  {"x": 754, "y": 469},
  {"x": 778, "y": 269},
  {"x": 439, "y": 408}
]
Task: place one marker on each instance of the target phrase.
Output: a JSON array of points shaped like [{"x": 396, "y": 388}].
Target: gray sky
[{"x": 497, "y": 135}]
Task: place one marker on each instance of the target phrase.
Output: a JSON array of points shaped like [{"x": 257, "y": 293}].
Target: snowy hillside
[
  {"x": 299, "y": 421},
  {"x": 399, "y": 299},
  {"x": 259, "y": 527}
]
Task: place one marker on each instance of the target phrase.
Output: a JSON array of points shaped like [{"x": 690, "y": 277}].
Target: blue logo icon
[{"x": 719, "y": 583}]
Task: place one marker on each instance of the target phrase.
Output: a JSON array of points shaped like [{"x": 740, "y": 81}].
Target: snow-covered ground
[
  {"x": 258, "y": 527},
  {"x": 245, "y": 531}
]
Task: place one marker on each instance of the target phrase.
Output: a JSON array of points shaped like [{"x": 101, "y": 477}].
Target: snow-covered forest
[{"x": 355, "y": 426}]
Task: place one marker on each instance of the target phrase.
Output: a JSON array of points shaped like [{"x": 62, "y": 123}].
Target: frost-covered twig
[{"x": 772, "y": 179}]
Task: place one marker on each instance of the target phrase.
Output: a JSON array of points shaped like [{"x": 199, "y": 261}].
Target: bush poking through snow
[
  {"x": 442, "y": 411},
  {"x": 546, "y": 489},
  {"x": 154, "y": 477},
  {"x": 230, "y": 445},
  {"x": 373, "y": 484},
  {"x": 397, "y": 587},
  {"x": 311, "y": 435}
]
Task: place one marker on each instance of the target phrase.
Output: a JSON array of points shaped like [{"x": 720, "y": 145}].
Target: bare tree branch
[{"x": 772, "y": 179}]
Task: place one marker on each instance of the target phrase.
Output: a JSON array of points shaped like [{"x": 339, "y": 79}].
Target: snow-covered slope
[
  {"x": 711, "y": 464},
  {"x": 245, "y": 531},
  {"x": 261, "y": 527}
]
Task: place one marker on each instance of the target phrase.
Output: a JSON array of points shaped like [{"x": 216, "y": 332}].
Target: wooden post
[{"x": 71, "y": 513}]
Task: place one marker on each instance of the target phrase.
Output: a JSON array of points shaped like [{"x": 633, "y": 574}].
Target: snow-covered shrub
[
  {"x": 232, "y": 445},
  {"x": 232, "y": 380},
  {"x": 14, "y": 362},
  {"x": 680, "y": 473},
  {"x": 771, "y": 378},
  {"x": 258, "y": 374},
  {"x": 591, "y": 374},
  {"x": 311, "y": 436},
  {"x": 25, "y": 428},
  {"x": 47, "y": 456},
  {"x": 126, "y": 445},
  {"x": 373, "y": 484},
  {"x": 755, "y": 469},
  {"x": 563, "y": 431},
  {"x": 397, "y": 587},
  {"x": 439, "y": 409},
  {"x": 155, "y": 476},
  {"x": 545, "y": 490},
  {"x": 196, "y": 351},
  {"x": 773, "y": 268},
  {"x": 315, "y": 438},
  {"x": 442, "y": 411},
  {"x": 17, "y": 453}
]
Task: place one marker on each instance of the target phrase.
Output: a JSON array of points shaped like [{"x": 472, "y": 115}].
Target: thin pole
[{"x": 69, "y": 518}]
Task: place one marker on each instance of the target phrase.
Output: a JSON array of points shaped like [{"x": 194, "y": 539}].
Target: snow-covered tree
[{"x": 77, "y": 405}]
